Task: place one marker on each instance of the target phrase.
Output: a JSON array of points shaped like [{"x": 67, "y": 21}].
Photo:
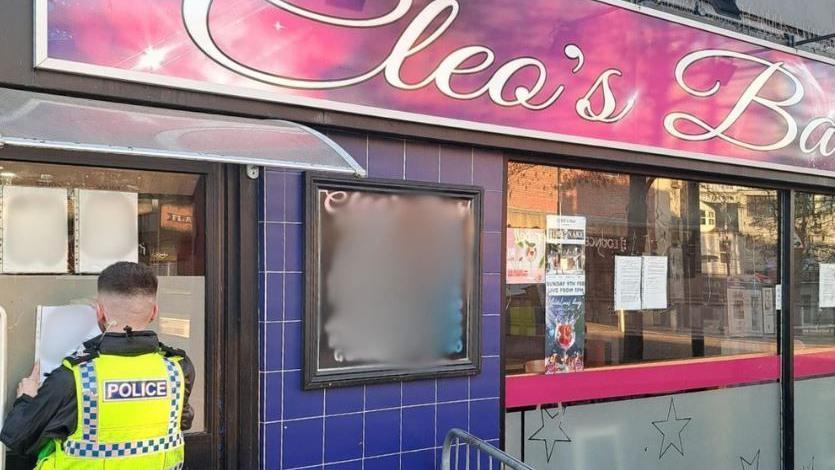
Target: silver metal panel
[{"x": 38, "y": 120}]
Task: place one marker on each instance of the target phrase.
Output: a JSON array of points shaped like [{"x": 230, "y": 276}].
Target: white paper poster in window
[
  {"x": 107, "y": 229},
  {"x": 627, "y": 282},
  {"x": 35, "y": 226},
  {"x": 654, "y": 282},
  {"x": 826, "y": 287}
]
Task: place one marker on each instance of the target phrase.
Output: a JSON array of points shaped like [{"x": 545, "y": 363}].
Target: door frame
[{"x": 230, "y": 440}]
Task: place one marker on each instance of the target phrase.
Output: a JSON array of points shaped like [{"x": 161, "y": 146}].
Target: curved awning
[{"x": 40, "y": 120}]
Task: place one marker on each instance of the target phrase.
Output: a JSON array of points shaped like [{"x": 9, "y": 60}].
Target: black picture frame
[{"x": 317, "y": 378}]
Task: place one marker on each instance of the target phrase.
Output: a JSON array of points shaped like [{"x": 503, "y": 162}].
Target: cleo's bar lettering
[{"x": 135, "y": 389}]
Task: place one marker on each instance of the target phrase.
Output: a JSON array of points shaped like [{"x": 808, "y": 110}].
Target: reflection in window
[
  {"x": 721, "y": 248},
  {"x": 814, "y": 244}
]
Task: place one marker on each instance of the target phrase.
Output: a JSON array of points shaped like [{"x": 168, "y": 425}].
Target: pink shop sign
[{"x": 598, "y": 72}]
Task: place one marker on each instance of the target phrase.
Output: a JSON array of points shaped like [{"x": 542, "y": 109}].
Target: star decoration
[
  {"x": 671, "y": 429},
  {"x": 753, "y": 464},
  {"x": 551, "y": 431}
]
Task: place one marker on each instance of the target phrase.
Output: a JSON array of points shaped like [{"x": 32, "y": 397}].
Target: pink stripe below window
[
  {"x": 637, "y": 380},
  {"x": 815, "y": 362},
  {"x": 659, "y": 378}
]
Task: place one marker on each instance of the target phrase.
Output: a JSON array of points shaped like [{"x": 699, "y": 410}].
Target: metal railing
[{"x": 477, "y": 454}]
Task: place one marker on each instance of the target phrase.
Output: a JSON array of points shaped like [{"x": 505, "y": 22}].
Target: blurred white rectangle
[
  {"x": 108, "y": 229},
  {"x": 175, "y": 326},
  {"x": 35, "y": 229},
  {"x": 60, "y": 331}
]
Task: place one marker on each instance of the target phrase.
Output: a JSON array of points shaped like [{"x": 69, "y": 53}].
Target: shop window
[
  {"x": 814, "y": 242},
  {"x": 609, "y": 268},
  {"x": 62, "y": 225}
]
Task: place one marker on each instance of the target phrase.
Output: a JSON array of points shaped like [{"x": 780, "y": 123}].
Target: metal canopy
[{"x": 39, "y": 120}]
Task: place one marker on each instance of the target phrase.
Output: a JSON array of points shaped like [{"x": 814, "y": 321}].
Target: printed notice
[
  {"x": 628, "y": 283},
  {"x": 778, "y": 297},
  {"x": 826, "y": 288},
  {"x": 565, "y": 284},
  {"x": 654, "y": 283}
]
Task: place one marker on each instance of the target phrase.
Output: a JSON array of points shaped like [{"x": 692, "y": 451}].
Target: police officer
[{"x": 122, "y": 402}]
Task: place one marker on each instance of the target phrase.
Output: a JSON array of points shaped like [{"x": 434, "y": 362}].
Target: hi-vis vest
[{"x": 129, "y": 410}]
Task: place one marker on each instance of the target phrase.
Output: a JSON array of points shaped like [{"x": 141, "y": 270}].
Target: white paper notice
[
  {"x": 654, "y": 283},
  {"x": 35, "y": 238},
  {"x": 778, "y": 297},
  {"x": 61, "y": 331},
  {"x": 108, "y": 229},
  {"x": 826, "y": 288},
  {"x": 769, "y": 313},
  {"x": 627, "y": 282}
]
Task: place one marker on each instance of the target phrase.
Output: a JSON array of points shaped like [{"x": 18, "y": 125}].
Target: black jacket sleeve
[
  {"x": 32, "y": 422},
  {"x": 188, "y": 411}
]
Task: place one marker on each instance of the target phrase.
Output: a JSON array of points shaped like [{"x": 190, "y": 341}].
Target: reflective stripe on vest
[{"x": 89, "y": 446}]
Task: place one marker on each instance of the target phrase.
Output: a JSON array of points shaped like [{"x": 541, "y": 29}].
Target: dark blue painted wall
[{"x": 391, "y": 426}]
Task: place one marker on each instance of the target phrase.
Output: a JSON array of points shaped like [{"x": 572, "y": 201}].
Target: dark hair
[{"x": 126, "y": 278}]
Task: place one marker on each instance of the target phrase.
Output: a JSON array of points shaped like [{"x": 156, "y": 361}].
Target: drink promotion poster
[
  {"x": 525, "y": 256},
  {"x": 565, "y": 290}
]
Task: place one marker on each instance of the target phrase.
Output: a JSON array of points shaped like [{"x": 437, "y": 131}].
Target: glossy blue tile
[
  {"x": 272, "y": 396},
  {"x": 355, "y": 144},
  {"x": 484, "y": 419},
  {"x": 272, "y": 446},
  {"x": 274, "y": 196},
  {"x": 292, "y": 345},
  {"x": 272, "y": 346},
  {"x": 418, "y": 427},
  {"x": 385, "y": 158},
  {"x": 302, "y": 443},
  {"x": 382, "y": 432},
  {"x": 423, "y": 460},
  {"x": 419, "y": 392},
  {"x": 389, "y": 462},
  {"x": 293, "y": 296},
  {"x": 382, "y": 396},
  {"x": 275, "y": 296},
  {"x": 492, "y": 215},
  {"x": 491, "y": 294},
  {"x": 294, "y": 197},
  {"x": 274, "y": 247},
  {"x": 422, "y": 161},
  {"x": 491, "y": 252},
  {"x": 486, "y": 384},
  {"x": 343, "y": 400},
  {"x": 262, "y": 359},
  {"x": 343, "y": 437},
  {"x": 488, "y": 169},
  {"x": 456, "y": 164},
  {"x": 300, "y": 403},
  {"x": 490, "y": 335},
  {"x": 353, "y": 465},
  {"x": 451, "y": 415},
  {"x": 294, "y": 254},
  {"x": 453, "y": 389}
]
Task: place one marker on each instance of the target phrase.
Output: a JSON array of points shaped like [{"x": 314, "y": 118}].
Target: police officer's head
[{"x": 127, "y": 297}]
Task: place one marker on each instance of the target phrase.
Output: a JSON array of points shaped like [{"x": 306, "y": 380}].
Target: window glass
[
  {"x": 813, "y": 320},
  {"x": 169, "y": 210},
  {"x": 814, "y": 295},
  {"x": 718, "y": 244}
]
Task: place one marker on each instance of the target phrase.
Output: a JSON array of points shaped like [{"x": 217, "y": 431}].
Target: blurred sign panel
[{"x": 394, "y": 280}]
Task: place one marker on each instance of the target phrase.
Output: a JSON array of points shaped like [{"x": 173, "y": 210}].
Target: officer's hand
[{"x": 29, "y": 385}]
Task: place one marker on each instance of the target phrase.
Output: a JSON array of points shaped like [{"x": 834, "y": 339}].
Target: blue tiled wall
[{"x": 391, "y": 426}]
